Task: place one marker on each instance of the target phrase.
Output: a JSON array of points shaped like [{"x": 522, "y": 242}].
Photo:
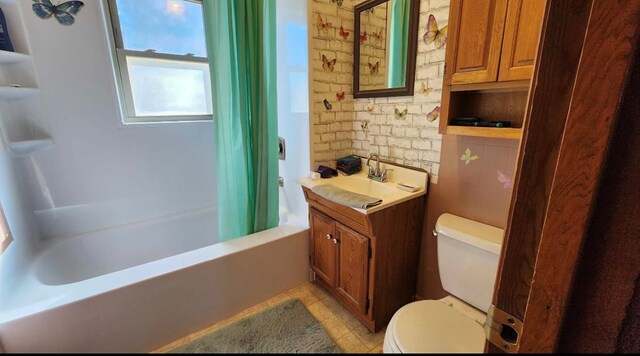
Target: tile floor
[{"x": 350, "y": 335}]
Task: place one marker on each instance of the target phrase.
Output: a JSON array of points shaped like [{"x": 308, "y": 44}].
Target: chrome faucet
[{"x": 375, "y": 173}]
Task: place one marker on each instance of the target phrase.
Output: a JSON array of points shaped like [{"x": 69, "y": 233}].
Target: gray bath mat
[{"x": 284, "y": 328}]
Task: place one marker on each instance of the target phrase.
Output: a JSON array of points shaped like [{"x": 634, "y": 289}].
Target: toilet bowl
[
  {"x": 468, "y": 254},
  {"x": 447, "y": 325}
]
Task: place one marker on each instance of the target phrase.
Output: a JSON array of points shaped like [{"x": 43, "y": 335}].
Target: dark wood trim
[
  {"x": 412, "y": 48},
  {"x": 579, "y": 76},
  {"x": 547, "y": 109},
  {"x": 606, "y": 292},
  {"x": 602, "y": 76}
]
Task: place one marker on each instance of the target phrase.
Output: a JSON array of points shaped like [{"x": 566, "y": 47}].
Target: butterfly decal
[
  {"x": 467, "y": 157},
  {"x": 424, "y": 90},
  {"x": 327, "y": 64},
  {"x": 344, "y": 34},
  {"x": 339, "y": 2},
  {"x": 340, "y": 96},
  {"x": 370, "y": 109},
  {"x": 365, "y": 126},
  {"x": 322, "y": 25},
  {"x": 327, "y": 104},
  {"x": 434, "y": 114},
  {"x": 401, "y": 114},
  {"x": 433, "y": 35},
  {"x": 377, "y": 36},
  {"x": 504, "y": 180},
  {"x": 369, "y": 11},
  {"x": 363, "y": 37},
  {"x": 64, "y": 12},
  {"x": 374, "y": 69}
]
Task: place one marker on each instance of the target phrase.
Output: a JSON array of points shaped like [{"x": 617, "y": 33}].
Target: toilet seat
[{"x": 435, "y": 326}]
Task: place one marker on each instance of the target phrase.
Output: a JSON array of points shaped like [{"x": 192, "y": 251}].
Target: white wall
[
  {"x": 293, "y": 101},
  {"x": 101, "y": 173}
]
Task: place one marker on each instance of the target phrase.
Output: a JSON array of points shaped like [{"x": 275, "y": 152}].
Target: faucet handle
[
  {"x": 371, "y": 171},
  {"x": 383, "y": 175}
]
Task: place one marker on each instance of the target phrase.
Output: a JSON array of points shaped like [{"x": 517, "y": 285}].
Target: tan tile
[
  {"x": 367, "y": 337},
  {"x": 319, "y": 311},
  {"x": 341, "y": 312},
  {"x": 319, "y": 291},
  {"x": 351, "y": 344},
  {"x": 376, "y": 350},
  {"x": 305, "y": 295},
  {"x": 334, "y": 327},
  {"x": 278, "y": 299}
]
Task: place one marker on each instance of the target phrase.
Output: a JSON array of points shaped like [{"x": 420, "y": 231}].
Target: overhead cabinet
[{"x": 489, "y": 63}]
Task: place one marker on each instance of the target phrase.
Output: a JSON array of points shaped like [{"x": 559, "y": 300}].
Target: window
[{"x": 161, "y": 60}]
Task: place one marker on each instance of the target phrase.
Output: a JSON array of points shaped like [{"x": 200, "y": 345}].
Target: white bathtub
[{"x": 138, "y": 287}]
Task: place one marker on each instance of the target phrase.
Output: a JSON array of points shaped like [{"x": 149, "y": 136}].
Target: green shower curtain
[
  {"x": 241, "y": 42},
  {"x": 398, "y": 42}
]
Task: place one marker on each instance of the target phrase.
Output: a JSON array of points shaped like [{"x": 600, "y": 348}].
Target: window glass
[
  {"x": 165, "y": 26},
  {"x": 169, "y": 88}
]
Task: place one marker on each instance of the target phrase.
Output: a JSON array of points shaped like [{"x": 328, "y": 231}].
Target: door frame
[{"x": 584, "y": 54}]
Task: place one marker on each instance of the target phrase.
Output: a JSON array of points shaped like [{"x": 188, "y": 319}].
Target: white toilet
[{"x": 468, "y": 255}]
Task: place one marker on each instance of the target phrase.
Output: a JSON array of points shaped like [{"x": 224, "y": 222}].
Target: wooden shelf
[
  {"x": 512, "y": 133},
  {"x": 12, "y": 93},
  {"x": 492, "y": 87},
  {"x": 7, "y": 57},
  {"x": 23, "y": 149}
]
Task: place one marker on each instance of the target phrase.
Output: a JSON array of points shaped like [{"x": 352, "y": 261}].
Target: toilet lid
[{"x": 433, "y": 326}]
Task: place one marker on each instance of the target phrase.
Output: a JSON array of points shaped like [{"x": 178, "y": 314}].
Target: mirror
[{"x": 385, "y": 44}]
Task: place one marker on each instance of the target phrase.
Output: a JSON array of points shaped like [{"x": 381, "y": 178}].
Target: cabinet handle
[
  {"x": 328, "y": 236},
  {"x": 335, "y": 241}
]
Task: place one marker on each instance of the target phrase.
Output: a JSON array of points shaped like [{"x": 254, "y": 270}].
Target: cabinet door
[
  {"x": 521, "y": 33},
  {"x": 475, "y": 37},
  {"x": 353, "y": 272},
  {"x": 323, "y": 248}
]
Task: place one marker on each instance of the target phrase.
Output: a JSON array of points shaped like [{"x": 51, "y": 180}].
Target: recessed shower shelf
[
  {"x": 12, "y": 93},
  {"x": 23, "y": 149},
  {"x": 7, "y": 57}
]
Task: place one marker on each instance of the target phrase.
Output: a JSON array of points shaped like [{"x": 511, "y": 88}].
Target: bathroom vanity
[{"x": 368, "y": 259}]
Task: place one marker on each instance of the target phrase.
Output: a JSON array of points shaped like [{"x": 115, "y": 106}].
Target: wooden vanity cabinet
[{"x": 369, "y": 262}]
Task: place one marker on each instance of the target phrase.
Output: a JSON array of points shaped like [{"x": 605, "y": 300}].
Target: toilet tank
[{"x": 468, "y": 255}]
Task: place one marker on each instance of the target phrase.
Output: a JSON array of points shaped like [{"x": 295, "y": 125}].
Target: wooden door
[
  {"x": 323, "y": 248},
  {"x": 475, "y": 37},
  {"x": 521, "y": 34},
  {"x": 353, "y": 261},
  {"x": 565, "y": 140}
]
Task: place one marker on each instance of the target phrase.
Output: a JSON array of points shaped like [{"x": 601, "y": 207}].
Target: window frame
[{"x": 123, "y": 82}]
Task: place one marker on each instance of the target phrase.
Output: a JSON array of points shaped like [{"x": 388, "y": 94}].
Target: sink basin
[
  {"x": 362, "y": 185},
  {"x": 388, "y": 191}
]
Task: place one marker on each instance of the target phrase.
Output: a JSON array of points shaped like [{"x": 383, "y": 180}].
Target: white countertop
[{"x": 388, "y": 191}]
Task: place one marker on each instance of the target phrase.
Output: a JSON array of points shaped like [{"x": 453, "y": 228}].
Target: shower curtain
[
  {"x": 241, "y": 42},
  {"x": 398, "y": 42}
]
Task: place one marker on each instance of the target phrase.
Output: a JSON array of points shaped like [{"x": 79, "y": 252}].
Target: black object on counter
[
  {"x": 326, "y": 172},
  {"x": 349, "y": 165},
  {"x": 5, "y": 41},
  {"x": 474, "y": 121}
]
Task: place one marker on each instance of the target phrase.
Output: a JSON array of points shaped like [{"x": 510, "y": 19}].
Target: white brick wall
[{"x": 363, "y": 126}]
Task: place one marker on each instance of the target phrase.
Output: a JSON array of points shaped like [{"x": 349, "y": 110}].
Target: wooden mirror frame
[{"x": 407, "y": 89}]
